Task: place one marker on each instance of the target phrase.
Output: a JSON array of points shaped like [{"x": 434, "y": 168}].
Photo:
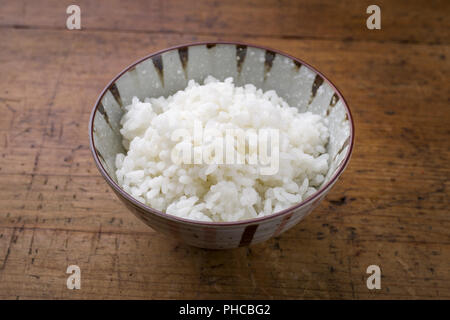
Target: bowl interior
[{"x": 168, "y": 71}]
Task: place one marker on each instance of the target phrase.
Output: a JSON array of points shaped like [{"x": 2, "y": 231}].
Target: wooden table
[{"x": 390, "y": 208}]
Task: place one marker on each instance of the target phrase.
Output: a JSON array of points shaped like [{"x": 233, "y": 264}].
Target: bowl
[{"x": 167, "y": 71}]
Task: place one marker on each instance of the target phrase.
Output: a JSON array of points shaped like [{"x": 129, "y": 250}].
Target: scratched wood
[
  {"x": 390, "y": 207},
  {"x": 406, "y": 21}
]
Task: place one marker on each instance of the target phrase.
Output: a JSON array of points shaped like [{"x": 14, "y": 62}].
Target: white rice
[{"x": 222, "y": 192}]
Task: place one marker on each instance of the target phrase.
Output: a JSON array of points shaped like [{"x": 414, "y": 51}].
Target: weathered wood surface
[
  {"x": 407, "y": 21},
  {"x": 390, "y": 208}
]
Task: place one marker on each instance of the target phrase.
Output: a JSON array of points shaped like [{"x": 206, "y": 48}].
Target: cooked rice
[{"x": 219, "y": 192}]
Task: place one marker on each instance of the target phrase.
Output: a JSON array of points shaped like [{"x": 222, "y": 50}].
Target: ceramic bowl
[{"x": 167, "y": 71}]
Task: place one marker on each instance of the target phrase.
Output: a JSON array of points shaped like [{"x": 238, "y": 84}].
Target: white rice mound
[{"x": 223, "y": 192}]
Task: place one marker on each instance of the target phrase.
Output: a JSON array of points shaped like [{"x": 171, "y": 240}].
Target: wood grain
[
  {"x": 404, "y": 21},
  {"x": 390, "y": 208}
]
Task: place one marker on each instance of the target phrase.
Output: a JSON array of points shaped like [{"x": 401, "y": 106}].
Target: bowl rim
[{"x": 174, "y": 218}]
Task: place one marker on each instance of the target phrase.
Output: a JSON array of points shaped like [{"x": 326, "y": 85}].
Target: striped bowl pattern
[{"x": 168, "y": 71}]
